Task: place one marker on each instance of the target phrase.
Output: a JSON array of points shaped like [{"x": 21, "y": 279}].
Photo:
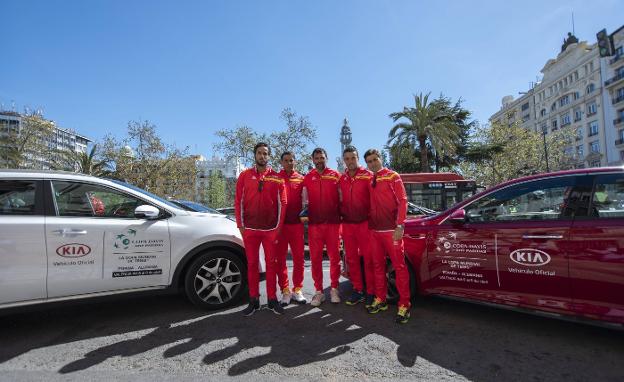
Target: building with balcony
[{"x": 580, "y": 90}]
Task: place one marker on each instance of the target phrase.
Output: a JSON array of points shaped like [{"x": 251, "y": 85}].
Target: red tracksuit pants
[
  {"x": 320, "y": 235},
  {"x": 380, "y": 245},
  {"x": 252, "y": 240},
  {"x": 356, "y": 237},
  {"x": 291, "y": 235}
]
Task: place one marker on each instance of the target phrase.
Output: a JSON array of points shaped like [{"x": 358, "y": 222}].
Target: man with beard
[
  {"x": 354, "y": 210},
  {"x": 260, "y": 209},
  {"x": 321, "y": 187},
  {"x": 387, "y": 215},
  {"x": 291, "y": 234}
]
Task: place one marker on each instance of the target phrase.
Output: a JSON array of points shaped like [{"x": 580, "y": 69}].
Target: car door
[
  {"x": 96, "y": 244},
  {"x": 516, "y": 238},
  {"x": 22, "y": 241},
  {"x": 597, "y": 252}
]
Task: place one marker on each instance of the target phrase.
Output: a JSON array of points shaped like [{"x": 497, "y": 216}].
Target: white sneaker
[
  {"x": 318, "y": 299},
  {"x": 298, "y": 297},
  {"x": 286, "y": 296},
  {"x": 334, "y": 296}
]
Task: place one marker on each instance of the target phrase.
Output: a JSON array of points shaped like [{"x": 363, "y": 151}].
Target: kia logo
[
  {"x": 530, "y": 257},
  {"x": 73, "y": 250}
]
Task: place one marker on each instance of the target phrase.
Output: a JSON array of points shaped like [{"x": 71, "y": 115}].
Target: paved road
[{"x": 159, "y": 338}]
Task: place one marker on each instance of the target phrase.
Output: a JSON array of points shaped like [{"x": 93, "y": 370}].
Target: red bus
[{"x": 437, "y": 191}]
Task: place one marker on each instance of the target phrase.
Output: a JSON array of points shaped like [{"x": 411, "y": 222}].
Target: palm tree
[
  {"x": 430, "y": 124},
  {"x": 82, "y": 162}
]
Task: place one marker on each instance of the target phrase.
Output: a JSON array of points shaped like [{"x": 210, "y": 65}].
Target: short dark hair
[
  {"x": 372, "y": 152},
  {"x": 319, "y": 150},
  {"x": 287, "y": 153},
  {"x": 261, "y": 144},
  {"x": 350, "y": 149}
]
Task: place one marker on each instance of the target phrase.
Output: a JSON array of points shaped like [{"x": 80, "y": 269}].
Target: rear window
[{"x": 17, "y": 197}]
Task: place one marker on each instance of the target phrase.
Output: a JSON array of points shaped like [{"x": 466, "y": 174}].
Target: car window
[
  {"x": 548, "y": 199},
  {"x": 608, "y": 197},
  {"x": 17, "y": 197},
  {"x": 84, "y": 199}
]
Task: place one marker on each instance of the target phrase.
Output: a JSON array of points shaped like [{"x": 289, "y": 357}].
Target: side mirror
[
  {"x": 458, "y": 216},
  {"x": 146, "y": 212}
]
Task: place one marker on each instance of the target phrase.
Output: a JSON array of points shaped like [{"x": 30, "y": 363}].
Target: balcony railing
[{"x": 614, "y": 79}]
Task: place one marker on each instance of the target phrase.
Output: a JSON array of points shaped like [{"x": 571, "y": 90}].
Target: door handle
[
  {"x": 69, "y": 232},
  {"x": 542, "y": 236}
]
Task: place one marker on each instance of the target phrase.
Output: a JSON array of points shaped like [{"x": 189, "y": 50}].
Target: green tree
[
  {"x": 238, "y": 143},
  {"x": 82, "y": 162},
  {"x": 426, "y": 124},
  {"x": 27, "y": 146},
  {"x": 498, "y": 153},
  {"x": 216, "y": 191}
]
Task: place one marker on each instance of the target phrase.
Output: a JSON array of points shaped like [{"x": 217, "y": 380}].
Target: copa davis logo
[{"x": 123, "y": 240}]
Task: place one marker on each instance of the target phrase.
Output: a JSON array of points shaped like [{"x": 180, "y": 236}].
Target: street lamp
[{"x": 544, "y": 131}]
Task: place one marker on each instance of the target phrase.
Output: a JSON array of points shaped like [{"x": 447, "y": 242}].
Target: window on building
[
  {"x": 543, "y": 112},
  {"x": 564, "y": 100},
  {"x": 591, "y": 66},
  {"x": 594, "y": 147},
  {"x": 622, "y": 156},
  {"x": 565, "y": 119},
  {"x": 580, "y": 151},
  {"x": 553, "y": 106},
  {"x": 526, "y": 117},
  {"x": 579, "y": 133},
  {"x": 577, "y": 95},
  {"x": 576, "y": 76},
  {"x": 593, "y": 128},
  {"x": 595, "y": 163},
  {"x": 590, "y": 88},
  {"x": 577, "y": 114},
  {"x": 591, "y": 108},
  {"x": 620, "y": 92},
  {"x": 553, "y": 124},
  {"x": 525, "y": 106}
]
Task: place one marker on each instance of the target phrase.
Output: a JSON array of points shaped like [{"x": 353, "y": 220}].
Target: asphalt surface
[{"x": 164, "y": 337}]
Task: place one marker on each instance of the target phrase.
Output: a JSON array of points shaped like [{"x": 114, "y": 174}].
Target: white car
[{"x": 66, "y": 236}]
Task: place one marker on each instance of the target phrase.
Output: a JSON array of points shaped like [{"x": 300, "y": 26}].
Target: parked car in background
[
  {"x": 67, "y": 236},
  {"x": 550, "y": 243},
  {"x": 193, "y": 206}
]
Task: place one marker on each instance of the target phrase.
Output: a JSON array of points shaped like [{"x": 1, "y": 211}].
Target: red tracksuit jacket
[
  {"x": 388, "y": 201},
  {"x": 260, "y": 200},
  {"x": 355, "y": 196},
  {"x": 323, "y": 200},
  {"x": 294, "y": 187}
]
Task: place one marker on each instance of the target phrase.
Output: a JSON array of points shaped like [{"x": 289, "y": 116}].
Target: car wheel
[
  {"x": 216, "y": 279},
  {"x": 393, "y": 293}
]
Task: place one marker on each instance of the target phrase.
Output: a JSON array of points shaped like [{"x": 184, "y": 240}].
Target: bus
[{"x": 437, "y": 191}]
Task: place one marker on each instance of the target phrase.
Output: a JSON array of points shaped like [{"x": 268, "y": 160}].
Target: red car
[{"x": 549, "y": 243}]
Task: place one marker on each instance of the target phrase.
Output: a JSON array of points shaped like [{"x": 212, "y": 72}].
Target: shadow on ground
[{"x": 476, "y": 342}]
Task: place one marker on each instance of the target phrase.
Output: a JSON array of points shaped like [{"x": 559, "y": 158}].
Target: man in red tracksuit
[
  {"x": 354, "y": 210},
  {"x": 291, "y": 234},
  {"x": 321, "y": 188},
  {"x": 387, "y": 216},
  {"x": 260, "y": 208}
]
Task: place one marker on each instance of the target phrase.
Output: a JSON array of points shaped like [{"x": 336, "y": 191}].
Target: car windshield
[
  {"x": 414, "y": 209},
  {"x": 142, "y": 191}
]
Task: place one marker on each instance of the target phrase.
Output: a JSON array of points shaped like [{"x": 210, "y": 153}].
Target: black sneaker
[
  {"x": 275, "y": 306},
  {"x": 355, "y": 298},
  {"x": 369, "y": 300},
  {"x": 403, "y": 315},
  {"x": 254, "y": 304},
  {"x": 377, "y": 306}
]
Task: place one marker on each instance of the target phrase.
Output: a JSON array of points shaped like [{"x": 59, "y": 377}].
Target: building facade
[
  {"x": 580, "y": 90},
  {"x": 60, "y": 139}
]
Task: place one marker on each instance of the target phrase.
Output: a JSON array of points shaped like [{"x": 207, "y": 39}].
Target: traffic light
[{"x": 605, "y": 44}]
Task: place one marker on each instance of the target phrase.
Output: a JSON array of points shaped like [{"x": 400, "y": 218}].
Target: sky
[{"x": 194, "y": 67}]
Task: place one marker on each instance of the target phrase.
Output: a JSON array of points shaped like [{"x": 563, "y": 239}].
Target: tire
[
  {"x": 393, "y": 293},
  {"x": 215, "y": 280}
]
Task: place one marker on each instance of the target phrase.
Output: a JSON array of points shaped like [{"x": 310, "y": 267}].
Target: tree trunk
[{"x": 424, "y": 161}]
